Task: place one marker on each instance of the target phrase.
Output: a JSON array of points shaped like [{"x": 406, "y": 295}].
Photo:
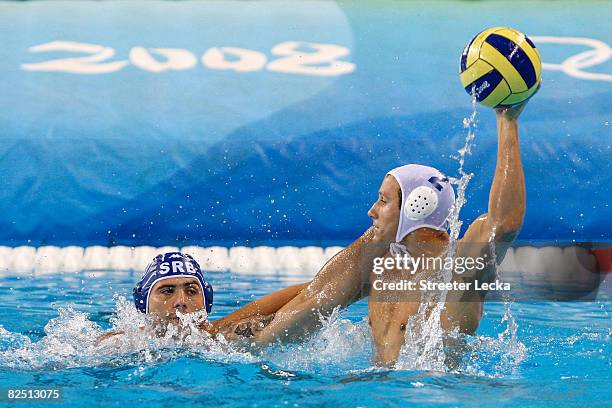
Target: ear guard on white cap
[
  {"x": 427, "y": 199},
  {"x": 420, "y": 203}
]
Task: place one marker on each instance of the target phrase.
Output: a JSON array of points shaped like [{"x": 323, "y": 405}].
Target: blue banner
[{"x": 269, "y": 122}]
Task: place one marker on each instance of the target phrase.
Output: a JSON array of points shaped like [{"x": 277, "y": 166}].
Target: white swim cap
[{"x": 427, "y": 199}]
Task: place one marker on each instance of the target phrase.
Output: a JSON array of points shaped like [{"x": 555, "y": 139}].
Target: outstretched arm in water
[
  {"x": 260, "y": 308},
  {"x": 341, "y": 281}
]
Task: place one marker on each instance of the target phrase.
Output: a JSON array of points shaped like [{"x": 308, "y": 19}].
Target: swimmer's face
[
  {"x": 385, "y": 212},
  {"x": 169, "y": 295}
]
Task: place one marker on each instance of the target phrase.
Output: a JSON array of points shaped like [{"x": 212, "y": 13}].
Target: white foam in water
[
  {"x": 338, "y": 345},
  {"x": 71, "y": 340}
]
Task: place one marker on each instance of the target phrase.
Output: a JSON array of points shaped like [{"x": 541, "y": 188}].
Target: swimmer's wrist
[
  {"x": 511, "y": 113},
  {"x": 504, "y": 115}
]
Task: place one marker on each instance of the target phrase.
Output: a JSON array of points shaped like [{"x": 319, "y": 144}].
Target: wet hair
[{"x": 399, "y": 194}]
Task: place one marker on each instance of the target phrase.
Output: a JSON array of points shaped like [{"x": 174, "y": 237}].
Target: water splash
[
  {"x": 515, "y": 350},
  {"x": 338, "y": 345},
  {"x": 424, "y": 341},
  {"x": 341, "y": 346},
  {"x": 471, "y": 124},
  {"x": 426, "y": 345},
  {"x": 73, "y": 340}
]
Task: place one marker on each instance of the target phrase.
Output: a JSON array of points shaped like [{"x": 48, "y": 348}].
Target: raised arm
[
  {"x": 342, "y": 281},
  {"x": 504, "y": 219}
]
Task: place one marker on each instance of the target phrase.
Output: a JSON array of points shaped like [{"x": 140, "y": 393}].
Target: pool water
[{"x": 524, "y": 354}]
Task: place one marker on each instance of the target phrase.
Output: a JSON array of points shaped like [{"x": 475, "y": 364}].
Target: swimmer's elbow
[
  {"x": 508, "y": 222},
  {"x": 507, "y": 230}
]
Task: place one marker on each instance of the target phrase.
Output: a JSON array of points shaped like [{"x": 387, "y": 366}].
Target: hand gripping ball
[{"x": 501, "y": 67}]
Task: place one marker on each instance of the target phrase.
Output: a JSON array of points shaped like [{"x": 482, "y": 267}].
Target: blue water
[{"x": 558, "y": 355}]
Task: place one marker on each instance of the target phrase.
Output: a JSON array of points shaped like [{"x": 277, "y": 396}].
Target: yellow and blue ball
[{"x": 501, "y": 67}]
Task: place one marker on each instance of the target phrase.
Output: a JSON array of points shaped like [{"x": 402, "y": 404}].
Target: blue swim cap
[{"x": 170, "y": 265}]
